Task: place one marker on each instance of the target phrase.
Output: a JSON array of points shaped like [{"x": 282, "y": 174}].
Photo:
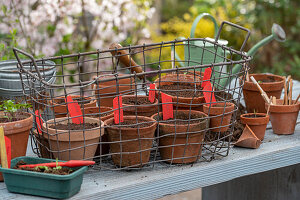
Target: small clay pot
[
  {"x": 253, "y": 99},
  {"x": 284, "y": 117},
  {"x": 219, "y": 116},
  {"x": 257, "y": 124},
  {"x": 141, "y": 110},
  {"x": 105, "y": 92},
  {"x": 60, "y": 109},
  {"x": 131, "y": 147},
  {"x": 182, "y": 143},
  {"x": 63, "y": 142},
  {"x": 184, "y": 103},
  {"x": 18, "y": 133}
]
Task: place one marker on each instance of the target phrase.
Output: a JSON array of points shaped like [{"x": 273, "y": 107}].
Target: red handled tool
[{"x": 70, "y": 163}]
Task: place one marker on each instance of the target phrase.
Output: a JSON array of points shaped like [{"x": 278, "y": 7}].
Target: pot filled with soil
[
  {"x": 131, "y": 140},
  {"x": 182, "y": 142},
  {"x": 139, "y": 105},
  {"x": 220, "y": 115},
  {"x": 47, "y": 182},
  {"x": 257, "y": 122},
  {"x": 69, "y": 141},
  {"x": 17, "y": 129},
  {"x": 59, "y": 104},
  {"x": 284, "y": 117},
  {"x": 186, "y": 89},
  {"x": 271, "y": 84}
]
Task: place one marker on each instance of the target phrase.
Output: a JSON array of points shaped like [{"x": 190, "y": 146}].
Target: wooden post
[{"x": 4, "y": 163}]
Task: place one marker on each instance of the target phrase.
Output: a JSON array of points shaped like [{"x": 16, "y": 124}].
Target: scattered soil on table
[
  {"x": 181, "y": 89},
  {"x": 181, "y": 118},
  {"x": 72, "y": 126},
  {"x": 254, "y": 116},
  {"x": 62, "y": 171},
  {"x": 136, "y": 101},
  {"x": 133, "y": 124}
]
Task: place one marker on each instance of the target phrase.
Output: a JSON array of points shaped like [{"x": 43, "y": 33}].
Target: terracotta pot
[
  {"x": 86, "y": 141},
  {"x": 105, "y": 92},
  {"x": 219, "y": 116},
  {"x": 141, "y": 110},
  {"x": 257, "y": 124},
  {"x": 185, "y": 142},
  {"x": 43, "y": 145},
  {"x": 60, "y": 109},
  {"x": 184, "y": 103},
  {"x": 248, "y": 139},
  {"x": 17, "y": 132},
  {"x": 127, "y": 149},
  {"x": 94, "y": 112},
  {"x": 252, "y": 96},
  {"x": 284, "y": 117}
]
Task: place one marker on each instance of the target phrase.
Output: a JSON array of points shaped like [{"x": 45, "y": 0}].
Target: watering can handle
[
  {"x": 198, "y": 18},
  {"x": 236, "y": 26}
]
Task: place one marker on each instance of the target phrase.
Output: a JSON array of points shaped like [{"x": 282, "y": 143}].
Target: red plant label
[
  {"x": 206, "y": 77},
  {"x": 152, "y": 93},
  {"x": 167, "y": 106},
  {"x": 74, "y": 110},
  {"x": 39, "y": 121},
  {"x": 118, "y": 113},
  {"x": 209, "y": 94},
  {"x": 8, "y": 150}
]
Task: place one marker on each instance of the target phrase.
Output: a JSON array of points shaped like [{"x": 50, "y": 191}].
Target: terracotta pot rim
[
  {"x": 279, "y": 108},
  {"x": 11, "y": 128},
  {"x": 276, "y": 85},
  {"x": 260, "y": 114},
  {"x": 107, "y": 83},
  {"x": 255, "y": 121},
  {"x": 29, "y": 115},
  {"x": 52, "y": 101},
  {"x": 107, "y": 109},
  {"x": 139, "y": 96},
  {"x": 219, "y": 110}
]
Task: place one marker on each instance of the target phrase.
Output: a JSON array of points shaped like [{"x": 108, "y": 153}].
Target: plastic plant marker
[
  {"x": 167, "y": 106},
  {"x": 248, "y": 139},
  {"x": 74, "y": 110},
  {"x": 152, "y": 93},
  {"x": 118, "y": 113},
  {"x": 70, "y": 163},
  {"x": 209, "y": 95},
  {"x": 39, "y": 121},
  {"x": 8, "y": 150},
  {"x": 206, "y": 77},
  {"x": 3, "y": 154}
]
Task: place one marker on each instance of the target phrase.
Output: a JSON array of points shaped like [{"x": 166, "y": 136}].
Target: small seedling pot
[
  {"x": 284, "y": 117},
  {"x": 42, "y": 184},
  {"x": 184, "y": 103},
  {"x": 220, "y": 115},
  {"x": 271, "y": 84},
  {"x": 182, "y": 142},
  {"x": 73, "y": 144},
  {"x": 60, "y": 109},
  {"x": 257, "y": 122},
  {"x": 18, "y": 133},
  {"x": 130, "y": 146},
  {"x": 138, "y": 105}
]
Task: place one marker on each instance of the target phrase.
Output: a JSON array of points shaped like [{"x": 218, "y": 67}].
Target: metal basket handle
[{"x": 236, "y": 26}]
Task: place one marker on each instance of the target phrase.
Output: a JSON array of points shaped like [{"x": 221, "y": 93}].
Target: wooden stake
[
  {"x": 4, "y": 162},
  {"x": 291, "y": 92},
  {"x": 271, "y": 98},
  {"x": 263, "y": 94},
  {"x": 297, "y": 98},
  {"x": 274, "y": 100},
  {"x": 285, "y": 92}
]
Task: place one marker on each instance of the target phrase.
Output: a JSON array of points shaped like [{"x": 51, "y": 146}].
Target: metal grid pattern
[{"x": 144, "y": 139}]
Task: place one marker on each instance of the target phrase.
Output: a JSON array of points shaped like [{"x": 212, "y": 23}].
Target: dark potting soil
[
  {"x": 17, "y": 117},
  {"x": 182, "y": 118},
  {"x": 136, "y": 101},
  {"x": 254, "y": 116},
  {"x": 50, "y": 170},
  {"x": 72, "y": 126},
  {"x": 267, "y": 80},
  {"x": 133, "y": 124},
  {"x": 220, "y": 105},
  {"x": 181, "y": 89}
]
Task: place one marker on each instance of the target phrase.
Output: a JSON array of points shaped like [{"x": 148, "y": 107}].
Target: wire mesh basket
[{"x": 198, "y": 131}]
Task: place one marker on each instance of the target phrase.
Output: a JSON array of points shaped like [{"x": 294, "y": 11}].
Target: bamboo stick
[
  {"x": 4, "y": 162},
  {"x": 297, "y": 98},
  {"x": 285, "y": 92},
  {"x": 269, "y": 104},
  {"x": 274, "y": 100},
  {"x": 291, "y": 92},
  {"x": 262, "y": 92}
]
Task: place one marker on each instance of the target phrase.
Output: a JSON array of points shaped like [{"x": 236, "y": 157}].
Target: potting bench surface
[{"x": 275, "y": 152}]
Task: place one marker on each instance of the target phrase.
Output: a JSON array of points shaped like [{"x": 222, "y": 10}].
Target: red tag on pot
[
  {"x": 209, "y": 94},
  {"x": 39, "y": 121},
  {"x": 8, "y": 150},
  {"x": 167, "y": 106},
  {"x": 152, "y": 93},
  {"x": 74, "y": 110},
  {"x": 118, "y": 113},
  {"x": 206, "y": 77}
]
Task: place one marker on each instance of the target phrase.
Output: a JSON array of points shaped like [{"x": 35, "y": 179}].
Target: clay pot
[
  {"x": 105, "y": 92},
  {"x": 63, "y": 142},
  {"x": 17, "y": 132},
  {"x": 219, "y": 117},
  {"x": 60, "y": 109},
  {"x": 184, "y": 103},
  {"x": 183, "y": 145},
  {"x": 43, "y": 145},
  {"x": 253, "y": 99},
  {"x": 130, "y": 147},
  {"x": 284, "y": 117},
  {"x": 141, "y": 110},
  {"x": 248, "y": 139},
  {"x": 257, "y": 124}
]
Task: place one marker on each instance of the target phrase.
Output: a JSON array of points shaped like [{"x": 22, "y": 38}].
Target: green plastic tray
[{"x": 40, "y": 184}]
